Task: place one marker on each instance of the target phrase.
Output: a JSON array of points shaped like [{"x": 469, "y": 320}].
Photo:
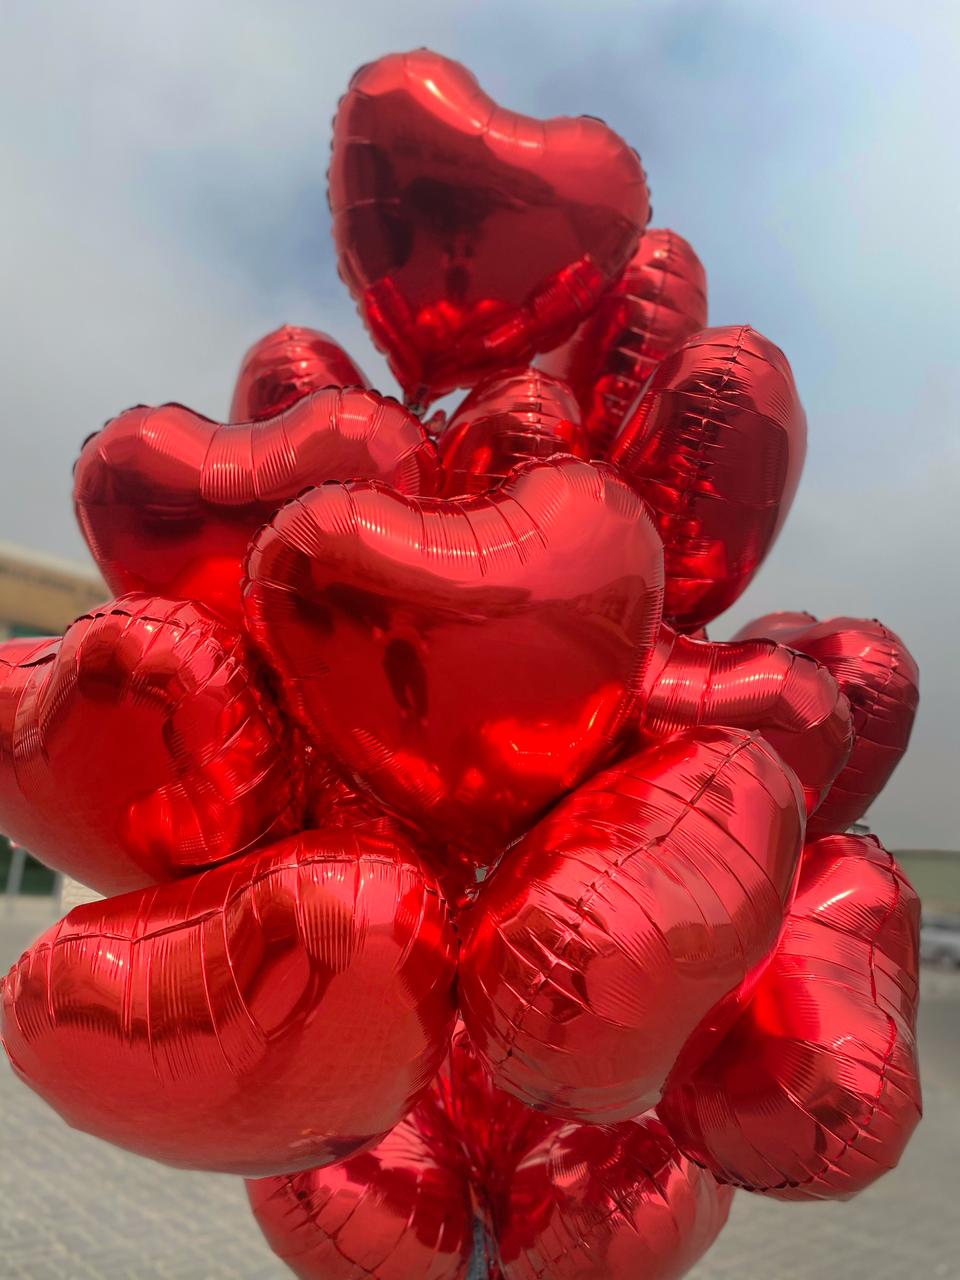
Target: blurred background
[{"x": 164, "y": 205}]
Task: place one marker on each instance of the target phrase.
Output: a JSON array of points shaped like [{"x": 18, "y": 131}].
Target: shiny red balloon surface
[
  {"x": 660, "y": 300},
  {"x": 814, "y": 1091},
  {"x": 401, "y": 721},
  {"x": 756, "y": 684},
  {"x": 408, "y": 1206},
  {"x": 610, "y": 935},
  {"x": 168, "y": 500},
  {"x": 779, "y": 626},
  {"x": 508, "y": 419},
  {"x": 269, "y": 1015},
  {"x": 466, "y": 661},
  {"x": 470, "y": 236},
  {"x": 609, "y": 1203},
  {"x": 495, "y": 1130},
  {"x": 879, "y": 676},
  {"x": 554, "y": 1201},
  {"x": 141, "y": 746},
  {"x": 397, "y": 1212},
  {"x": 715, "y": 445},
  {"x": 284, "y": 366}
]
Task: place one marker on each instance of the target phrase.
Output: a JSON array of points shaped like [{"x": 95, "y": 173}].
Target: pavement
[{"x": 74, "y": 1208}]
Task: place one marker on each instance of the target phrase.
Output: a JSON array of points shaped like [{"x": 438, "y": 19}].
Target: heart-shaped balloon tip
[
  {"x": 168, "y": 500},
  {"x": 508, "y": 419},
  {"x": 473, "y": 237},
  {"x": 372, "y": 607},
  {"x": 715, "y": 444},
  {"x": 660, "y": 300},
  {"x": 616, "y": 1202},
  {"x": 617, "y": 933},
  {"x": 879, "y": 676},
  {"x": 273, "y": 1014},
  {"x": 814, "y": 1091},
  {"x": 284, "y": 366},
  {"x": 142, "y": 746}
]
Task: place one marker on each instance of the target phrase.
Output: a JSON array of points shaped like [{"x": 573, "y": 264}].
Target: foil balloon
[
  {"x": 756, "y": 684},
  {"x": 814, "y": 1091},
  {"x": 286, "y": 365},
  {"x": 470, "y": 236},
  {"x": 398, "y": 1211},
  {"x": 616, "y": 1202},
  {"x": 877, "y": 673},
  {"x": 168, "y": 500},
  {"x": 660, "y": 300},
  {"x": 141, "y": 746},
  {"x": 610, "y": 939},
  {"x": 776, "y": 626},
  {"x": 420, "y": 1202},
  {"x": 331, "y": 801},
  {"x": 273, "y": 1014},
  {"x": 371, "y": 607},
  {"x": 495, "y": 1131},
  {"x": 715, "y": 445},
  {"x": 508, "y": 419}
]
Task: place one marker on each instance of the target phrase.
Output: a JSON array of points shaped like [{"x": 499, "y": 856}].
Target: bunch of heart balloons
[{"x": 462, "y": 894}]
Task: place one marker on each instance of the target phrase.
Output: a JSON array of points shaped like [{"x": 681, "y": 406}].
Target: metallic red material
[
  {"x": 814, "y": 1091},
  {"x": 273, "y": 1014},
  {"x": 715, "y": 445},
  {"x": 466, "y": 661},
  {"x": 407, "y": 1208},
  {"x": 556, "y": 1201},
  {"x": 168, "y": 500},
  {"x": 495, "y": 1130},
  {"x": 286, "y": 365},
  {"x": 401, "y": 1211},
  {"x": 334, "y": 802},
  {"x": 879, "y": 676},
  {"x": 660, "y": 300},
  {"x": 776, "y": 626},
  {"x": 755, "y": 684},
  {"x": 508, "y": 419},
  {"x": 142, "y": 746},
  {"x": 470, "y": 236},
  {"x": 610, "y": 1203},
  {"x": 618, "y": 933}
]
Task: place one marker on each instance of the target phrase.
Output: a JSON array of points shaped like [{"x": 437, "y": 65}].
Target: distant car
[{"x": 940, "y": 941}]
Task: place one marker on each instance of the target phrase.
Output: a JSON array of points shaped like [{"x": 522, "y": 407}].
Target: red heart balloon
[
  {"x": 610, "y": 1203},
  {"x": 333, "y": 802},
  {"x": 660, "y": 300},
  {"x": 508, "y": 419},
  {"x": 471, "y": 236},
  {"x": 715, "y": 445},
  {"x": 494, "y": 1130},
  {"x": 756, "y": 684},
  {"x": 399, "y": 1211},
  {"x": 168, "y": 500},
  {"x": 607, "y": 939},
  {"x": 467, "y": 661},
  {"x": 814, "y": 1091},
  {"x": 877, "y": 673},
  {"x": 276, "y": 1013},
  {"x": 776, "y": 626},
  {"x": 286, "y": 365},
  {"x": 141, "y": 746}
]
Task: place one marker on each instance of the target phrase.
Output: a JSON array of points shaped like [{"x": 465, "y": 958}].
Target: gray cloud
[{"x": 164, "y": 205}]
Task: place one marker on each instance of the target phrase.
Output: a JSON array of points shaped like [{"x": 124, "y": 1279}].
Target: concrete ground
[{"x": 73, "y": 1208}]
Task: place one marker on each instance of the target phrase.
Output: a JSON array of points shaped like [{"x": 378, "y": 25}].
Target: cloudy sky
[{"x": 164, "y": 204}]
